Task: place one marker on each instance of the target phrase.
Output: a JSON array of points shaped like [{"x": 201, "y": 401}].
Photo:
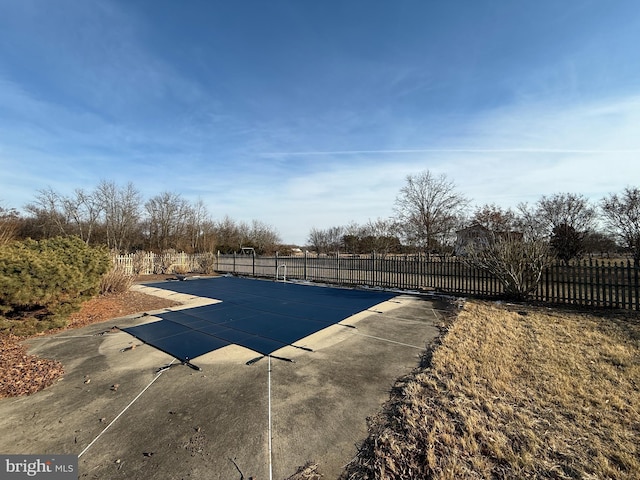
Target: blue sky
[{"x": 306, "y": 114}]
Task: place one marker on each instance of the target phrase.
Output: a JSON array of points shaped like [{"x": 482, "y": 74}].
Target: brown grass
[
  {"x": 116, "y": 280},
  {"x": 524, "y": 393}
]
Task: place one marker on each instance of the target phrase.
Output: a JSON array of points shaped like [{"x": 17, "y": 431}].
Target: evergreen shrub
[{"x": 48, "y": 279}]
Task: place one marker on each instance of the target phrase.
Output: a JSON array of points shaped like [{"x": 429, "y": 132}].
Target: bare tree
[
  {"x": 563, "y": 218},
  {"x": 495, "y": 218},
  {"x": 9, "y": 224},
  {"x": 352, "y": 236},
  {"x": 263, "y": 237},
  {"x": 334, "y": 238},
  {"x": 166, "y": 215},
  {"x": 121, "y": 213},
  {"x": 48, "y": 213},
  {"x": 382, "y": 236},
  {"x": 83, "y": 211},
  {"x": 231, "y": 235},
  {"x": 568, "y": 209},
  {"x": 327, "y": 240},
  {"x": 317, "y": 240},
  {"x": 429, "y": 208},
  {"x": 199, "y": 231},
  {"x": 208, "y": 238},
  {"x": 622, "y": 215},
  {"x": 226, "y": 233}
]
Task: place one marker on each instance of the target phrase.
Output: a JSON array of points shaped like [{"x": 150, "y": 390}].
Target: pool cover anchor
[
  {"x": 257, "y": 359},
  {"x": 182, "y": 362},
  {"x": 347, "y": 325},
  {"x": 306, "y": 349}
]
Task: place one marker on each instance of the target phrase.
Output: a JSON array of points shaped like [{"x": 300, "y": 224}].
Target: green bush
[{"x": 48, "y": 279}]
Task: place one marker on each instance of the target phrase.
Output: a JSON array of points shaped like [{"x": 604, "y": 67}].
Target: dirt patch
[
  {"x": 105, "y": 307},
  {"x": 197, "y": 444},
  {"x": 24, "y": 374}
]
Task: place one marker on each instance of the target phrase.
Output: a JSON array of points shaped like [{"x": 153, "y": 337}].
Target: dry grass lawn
[{"x": 515, "y": 392}]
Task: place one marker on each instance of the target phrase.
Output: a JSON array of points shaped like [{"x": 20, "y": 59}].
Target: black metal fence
[{"x": 589, "y": 283}]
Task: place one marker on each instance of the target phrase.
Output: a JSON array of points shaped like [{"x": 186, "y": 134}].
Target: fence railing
[{"x": 590, "y": 283}]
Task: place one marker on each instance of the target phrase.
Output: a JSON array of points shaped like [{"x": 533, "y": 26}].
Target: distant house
[
  {"x": 475, "y": 235},
  {"x": 479, "y": 237}
]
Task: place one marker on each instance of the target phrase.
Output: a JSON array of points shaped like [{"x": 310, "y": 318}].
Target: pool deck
[{"x": 229, "y": 419}]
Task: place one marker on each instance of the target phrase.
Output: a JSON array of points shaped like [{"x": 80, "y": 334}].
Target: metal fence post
[
  {"x": 373, "y": 268},
  {"x": 304, "y": 270},
  {"x": 636, "y": 285}
]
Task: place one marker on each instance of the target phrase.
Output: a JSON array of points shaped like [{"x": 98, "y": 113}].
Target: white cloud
[{"x": 511, "y": 155}]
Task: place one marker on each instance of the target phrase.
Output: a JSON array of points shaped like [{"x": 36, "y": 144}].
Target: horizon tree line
[
  {"x": 428, "y": 211},
  {"x": 120, "y": 218}
]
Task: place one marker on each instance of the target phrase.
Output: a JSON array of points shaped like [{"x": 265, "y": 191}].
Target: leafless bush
[
  {"x": 139, "y": 262},
  {"x": 116, "y": 280},
  {"x": 8, "y": 225},
  {"x": 180, "y": 269},
  {"x": 162, "y": 263},
  {"x": 7, "y": 232},
  {"x": 208, "y": 263},
  {"x": 516, "y": 262}
]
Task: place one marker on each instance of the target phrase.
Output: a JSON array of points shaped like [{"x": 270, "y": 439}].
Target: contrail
[{"x": 447, "y": 150}]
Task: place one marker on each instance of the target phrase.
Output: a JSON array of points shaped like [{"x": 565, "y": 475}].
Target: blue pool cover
[{"x": 261, "y": 315}]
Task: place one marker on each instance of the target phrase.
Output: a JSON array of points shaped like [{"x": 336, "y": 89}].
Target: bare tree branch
[
  {"x": 429, "y": 208},
  {"x": 622, "y": 214}
]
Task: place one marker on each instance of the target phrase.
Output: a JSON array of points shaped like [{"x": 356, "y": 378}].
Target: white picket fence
[{"x": 148, "y": 263}]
